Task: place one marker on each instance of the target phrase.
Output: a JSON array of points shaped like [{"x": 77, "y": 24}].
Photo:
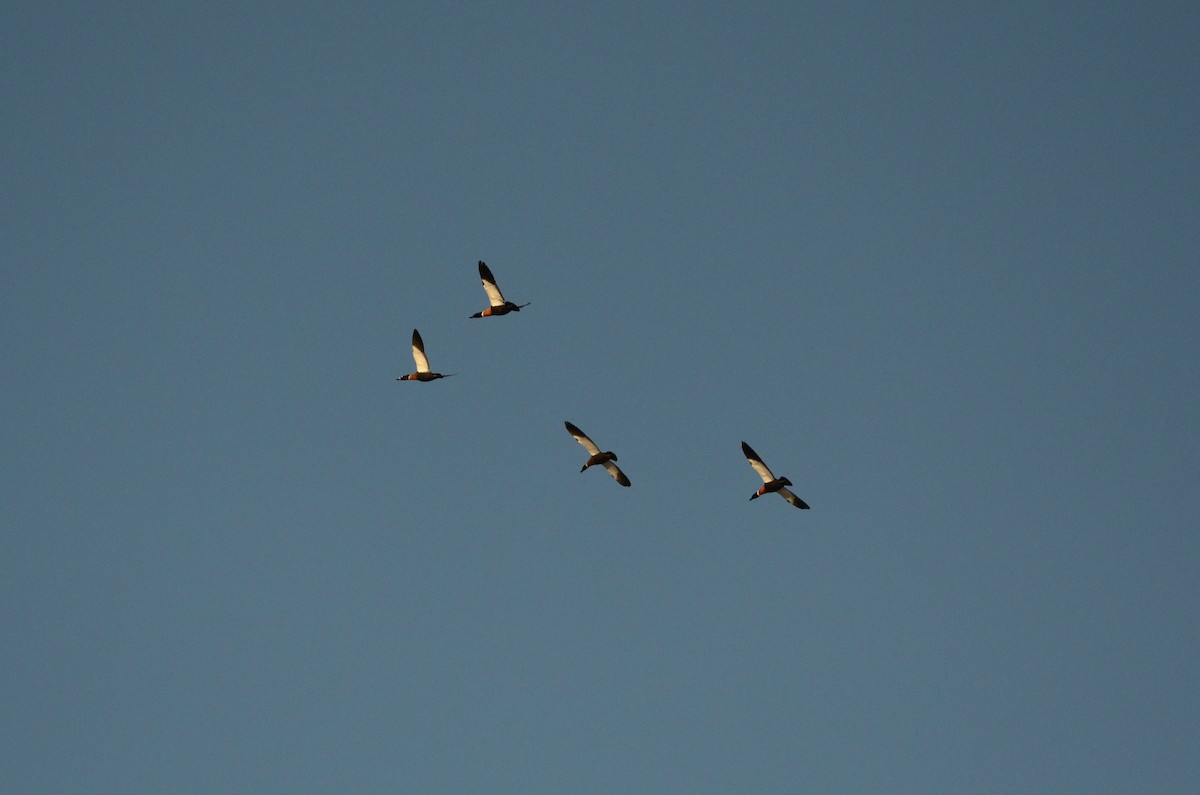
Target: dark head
[{"x": 785, "y": 481}]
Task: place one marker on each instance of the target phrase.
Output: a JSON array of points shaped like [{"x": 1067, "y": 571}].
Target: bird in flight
[
  {"x": 608, "y": 459},
  {"x": 422, "y": 373},
  {"x": 498, "y": 305},
  {"x": 770, "y": 482}
]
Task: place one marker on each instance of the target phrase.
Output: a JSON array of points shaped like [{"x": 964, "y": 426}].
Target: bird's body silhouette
[
  {"x": 423, "y": 373},
  {"x": 605, "y": 459},
  {"x": 770, "y": 482},
  {"x": 499, "y": 306}
]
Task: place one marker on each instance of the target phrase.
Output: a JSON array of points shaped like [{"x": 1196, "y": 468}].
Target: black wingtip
[{"x": 748, "y": 452}]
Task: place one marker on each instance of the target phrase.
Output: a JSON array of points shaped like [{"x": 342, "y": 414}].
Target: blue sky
[{"x": 935, "y": 262}]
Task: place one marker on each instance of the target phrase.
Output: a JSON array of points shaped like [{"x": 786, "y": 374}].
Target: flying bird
[
  {"x": 770, "y": 482},
  {"x": 597, "y": 457},
  {"x": 422, "y": 373},
  {"x": 498, "y": 305}
]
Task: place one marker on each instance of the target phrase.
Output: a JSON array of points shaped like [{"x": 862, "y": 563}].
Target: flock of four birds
[{"x": 499, "y": 306}]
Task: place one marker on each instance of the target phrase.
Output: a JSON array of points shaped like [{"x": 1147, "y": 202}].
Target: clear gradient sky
[{"x": 938, "y": 263}]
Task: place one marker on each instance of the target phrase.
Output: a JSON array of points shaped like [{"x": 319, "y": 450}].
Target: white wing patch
[
  {"x": 582, "y": 438},
  {"x": 418, "y": 347},
  {"x": 494, "y": 295},
  {"x": 616, "y": 472},
  {"x": 792, "y": 498},
  {"x": 761, "y": 469},
  {"x": 493, "y": 292}
]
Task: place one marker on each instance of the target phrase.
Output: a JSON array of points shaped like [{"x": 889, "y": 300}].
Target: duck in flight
[
  {"x": 422, "y": 373},
  {"x": 770, "y": 482},
  {"x": 597, "y": 457},
  {"x": 498, "y": 305}
]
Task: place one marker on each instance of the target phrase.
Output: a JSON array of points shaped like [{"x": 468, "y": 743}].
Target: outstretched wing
[
  {"x": 489, "y": 285},
  {"x": 616, "y": 472},
  {"x": 582, "y": 438},
  {"x": 419, "y": 353},
  {"x": 763, "y": 471},
  {"x": 792, "y": 498}
]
